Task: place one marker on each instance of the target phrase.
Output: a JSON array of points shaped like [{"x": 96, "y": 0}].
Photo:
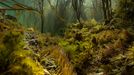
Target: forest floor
[{"x": 94, "y": 49}]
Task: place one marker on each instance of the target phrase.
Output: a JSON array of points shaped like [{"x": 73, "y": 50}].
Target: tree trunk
[
  {"x": 77, "y": 6},
  {"x": 107, "y": 10},
  {"x": 41, "y": 4},
  {"x": 104, "y": 9}
]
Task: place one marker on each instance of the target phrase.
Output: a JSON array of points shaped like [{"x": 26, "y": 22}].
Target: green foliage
[
  {"x": 9, "y": 43},
  {"x": 97, "y": 48},
  {"x": 23, "y": 62},
  {"x": 126, "y": 9},
  {"x": 92, "y": 49},
  {"x": 15, "y": 60},
  {"x": 124, "y": 14}
]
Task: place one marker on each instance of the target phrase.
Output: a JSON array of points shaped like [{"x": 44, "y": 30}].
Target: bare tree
[
  {"x": 107, "y": 10},
  {"x": 59, "y": 10},
  {"x": 77, "y": 6},
  {"x": 41, "y": 10},
  {"x": 96, "y": 10}
]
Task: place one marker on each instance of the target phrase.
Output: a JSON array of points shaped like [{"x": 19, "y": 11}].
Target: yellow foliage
[
  {"x": 13, "y": 59},
  {"x": 61, "y": 58}
]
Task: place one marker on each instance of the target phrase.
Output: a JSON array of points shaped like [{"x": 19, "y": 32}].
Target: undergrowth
[{"x": 93, "y": 49}]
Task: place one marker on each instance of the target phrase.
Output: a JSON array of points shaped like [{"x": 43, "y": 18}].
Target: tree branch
[
  {"x": 5, "y": 4},
  {"x": 21, "y": 5},
  {"x": 16, "y": 9}
]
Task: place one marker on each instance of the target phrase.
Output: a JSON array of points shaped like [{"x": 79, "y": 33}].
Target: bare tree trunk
[
  {"x": 77, "y": 5},
  {"x": 107, "y": 10},
  {"x": 104, "y": 9},
  {"x": 41, "y": 4}
]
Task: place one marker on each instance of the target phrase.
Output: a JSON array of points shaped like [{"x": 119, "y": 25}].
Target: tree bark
[
  {"x": 41, "y": 4},
  {"x": 107, "y": 10},
  {"x": 42, "y": 16},
  {"x": 77, "y": 6}
]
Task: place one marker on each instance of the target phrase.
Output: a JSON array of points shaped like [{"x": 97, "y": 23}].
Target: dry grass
[{"x": 65, "y": 67}]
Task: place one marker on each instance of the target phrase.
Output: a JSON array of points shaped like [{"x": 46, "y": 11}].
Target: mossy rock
[
  {"x": 23, "y": 62},
  {"x": 15, "y": 60}
]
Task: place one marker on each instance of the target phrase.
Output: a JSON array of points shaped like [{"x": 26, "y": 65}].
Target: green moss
[
  {"x": 101, "y": 47},
  {"x": 15, "y": 60}
]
